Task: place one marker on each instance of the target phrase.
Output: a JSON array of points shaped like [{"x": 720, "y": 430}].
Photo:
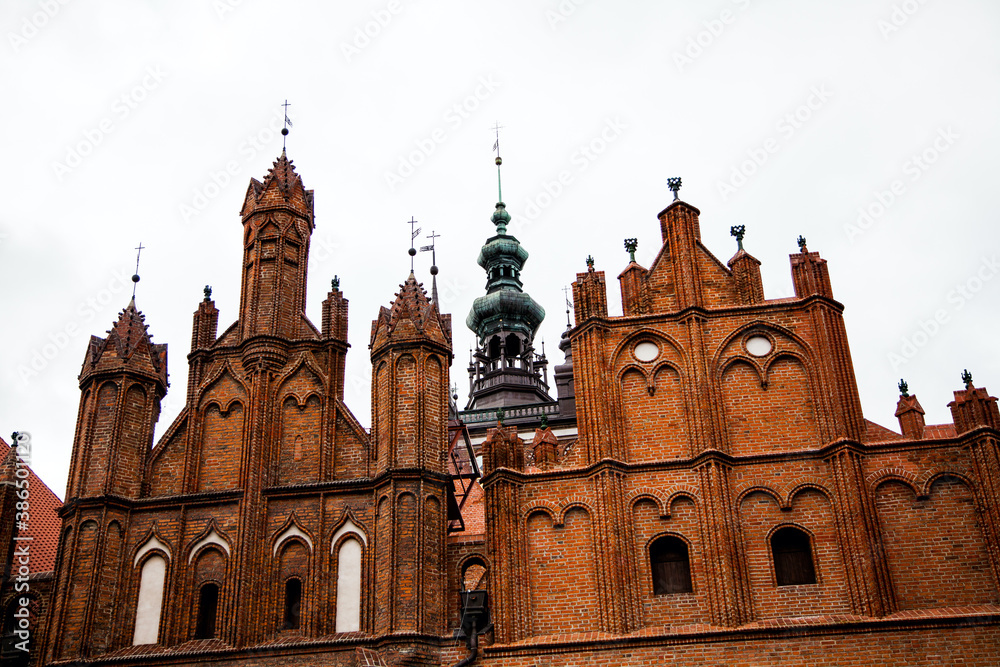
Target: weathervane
[
  {"x": 499, "y": 161},
  {"x": 738, "y": 231},
  {"x": 414, "y": 232},
  {"x": 135, "y": 276},
  {"x": 569, "y": 304},
  {"x": 434, "y": 269},
  {"x": 288, "y": 124},
  {"x": 674, "y": 184}
]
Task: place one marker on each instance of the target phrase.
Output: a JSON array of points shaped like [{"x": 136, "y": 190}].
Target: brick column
[{"x": 621, "y": 607}]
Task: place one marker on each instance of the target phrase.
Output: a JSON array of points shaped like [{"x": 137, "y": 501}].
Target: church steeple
[
  {"x": 277, "y": 225},
  {"x": 505, "y": 369}
]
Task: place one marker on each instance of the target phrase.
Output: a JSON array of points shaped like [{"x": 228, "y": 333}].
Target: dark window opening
[
  {"x": 293, "y": 604},
  {"x": 793, "y": 564},
  {"x": 668, "y": 558},
  {"x": 494, "y": 347},
  {"x": 513, "y": 346},
  {"x": 208, "y": 605}
]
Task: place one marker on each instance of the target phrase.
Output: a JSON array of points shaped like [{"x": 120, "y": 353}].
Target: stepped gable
[
  {"x": 128, "y": 345},
  {"x": 282, "y": 188},
  {"x": 412, "y": 316}
]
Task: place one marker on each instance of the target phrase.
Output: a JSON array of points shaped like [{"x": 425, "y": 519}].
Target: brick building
[{"x": 713, "y": 494}]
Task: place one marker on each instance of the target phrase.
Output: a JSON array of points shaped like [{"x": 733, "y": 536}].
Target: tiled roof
[{"x": 43, "y": 521}]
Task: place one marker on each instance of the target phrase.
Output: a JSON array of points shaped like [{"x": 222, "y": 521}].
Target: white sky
[{"x": 89, "y": 173}]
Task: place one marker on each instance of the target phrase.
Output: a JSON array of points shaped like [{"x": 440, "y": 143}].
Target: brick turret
[
  {"x": 911, "y": 416},
  {"x": 123, "y": 379},
  {"x": 974, "y": 407}
]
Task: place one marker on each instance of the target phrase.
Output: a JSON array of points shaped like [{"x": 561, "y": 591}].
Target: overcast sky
[{"x": 144, "y": 121}]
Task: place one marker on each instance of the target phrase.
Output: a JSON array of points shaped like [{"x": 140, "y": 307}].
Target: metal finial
[
  {"x": 414, "y": 232},
  {"x": 569, "y": 304},
  {"x": 135, "y": 276},
  {"x": 590, "y": 262},
  {"x": 434, "y": 269},
  {"x": 500, "y": 416},
  {"x": 738, "y": 231},
  {"x": 499, "y": 161},
  {"x": 208, "y": 292},
  {"x": 674, "y": 184},
  {"x": 967, "y": 378},
  {"x": 802, "y": 244},
  {"x": 904, "y": 389},
  {"x": 288, "y": 124},
  {"x": 335, "y": 284},
  {"x": 545, "y": 421},
  {"x": 631, "y": 245}
]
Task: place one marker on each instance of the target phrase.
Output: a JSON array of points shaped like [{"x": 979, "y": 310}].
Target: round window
[
  {"x": 758, "y": 346},
  {"x": 646, "y": 351}
]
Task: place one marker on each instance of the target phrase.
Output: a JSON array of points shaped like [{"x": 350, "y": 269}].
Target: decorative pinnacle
[
  {"x": 208, "y": 292},
  {"x": 967, "y": 378},
  {"x": 631, "y": 245},
  {"x": 545, "y": 421},
  {"x": 590, "y": 262},
  {"x": 738, "y": 231},
  {"x": 335, "y": 284},
  {"x": 904, "y": 389},
  {"x": 500, "y": 416},
  {"x": 802, "y": 244},
  {"x": 674, "y": 184}
]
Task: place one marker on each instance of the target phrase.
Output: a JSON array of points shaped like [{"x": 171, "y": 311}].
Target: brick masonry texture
[{"x": 711, "y": 441}]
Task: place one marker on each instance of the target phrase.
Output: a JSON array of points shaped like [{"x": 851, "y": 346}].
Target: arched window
[
  {"x": 293, "y": 604},
  {"x": 150, "y": 603},
  {"x": 671, "y": 568},
  {"x": 494, "y": 347},
  {"x": 793, "y": 562},
  {"x": 513, "y": 346},
  {"x": 208, "y": 605},
  {"x": 349, "y": 586}
]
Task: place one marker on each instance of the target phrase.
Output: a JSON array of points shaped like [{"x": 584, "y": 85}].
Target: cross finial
[
  {"x": 738, "y": 231},
  {"x": 135, "y": 276},
  {"x": 414, "y": 232},
  {"x": 631, "y": 245},
  {"x": 967, "y": 378},
  {"x": 499, "y": 161},
  {"x": 674, "y": 184},
  {"x": 288, "y": 124},
  {"x": 904, "y": 389},
  {"x": 569, "y": 304}
]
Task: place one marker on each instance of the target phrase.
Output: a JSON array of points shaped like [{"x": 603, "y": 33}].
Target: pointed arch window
[
  {"x": 293, "y": 604},
  {"x": 670, "y": 566},
  {"x": 208, "y": 606},
  {"x": 150, "y": 602},
  {"x": 349, "y": 586},
  {"x": 793, "y": 562}
]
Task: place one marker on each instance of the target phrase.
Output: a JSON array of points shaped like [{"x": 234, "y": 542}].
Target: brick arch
[
  {"x": 769, "y": 327},
  {"x": 204, "y": 539},
  {"x": 571, "y": 504},
  {"x": 883, "y": 475},
  {"x": 747, "y": 488},
  {"x": 647, "y": 332},
  {"x": 796, "y": 487},
  {"x": 547, "y": 506},
  {"x": 291, "y": 529},
  {"x": 926, "y": 479},
  {"x": 645, "y": 493},
  {"x": 303, "y": 365},
  {"x": 151, "y": 541},
  {"x": 224, "y": 372}
]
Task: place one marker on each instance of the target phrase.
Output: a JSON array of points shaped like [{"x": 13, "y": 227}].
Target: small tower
[
  {"x": 123, "y": 380},
  {"x": 411, "y": 353},
  {"x": 505, "y": 370}
]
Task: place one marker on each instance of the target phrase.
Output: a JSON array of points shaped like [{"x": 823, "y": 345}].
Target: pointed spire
[
  {"x": 128, "y": 345},
  {"x": 411, "y": 316},
  {"x": 281, "y": 188}
]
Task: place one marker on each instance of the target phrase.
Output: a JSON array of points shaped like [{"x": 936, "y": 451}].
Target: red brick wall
[
  {"x": 221, "y": 448},
  {"x": 935, "y": 548},
  {"x": 654, "y": 425}
]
